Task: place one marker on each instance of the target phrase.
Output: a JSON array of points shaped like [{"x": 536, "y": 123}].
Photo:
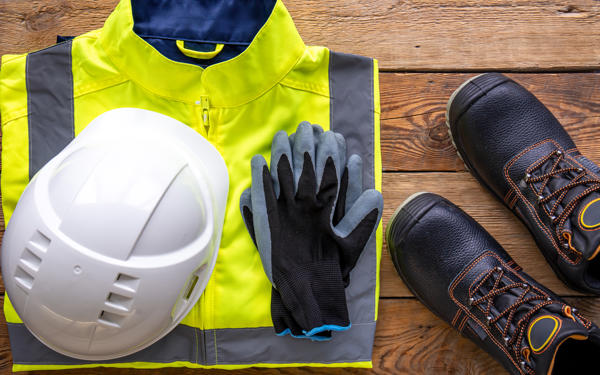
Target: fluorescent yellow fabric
[
  {"x": 238, "y": 105},
  {"x": 378, "y": 177},
  {"x": 154, "y": 365}
]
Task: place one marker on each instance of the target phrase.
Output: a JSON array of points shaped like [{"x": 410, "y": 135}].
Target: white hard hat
[{"x": 114, "y": 240}]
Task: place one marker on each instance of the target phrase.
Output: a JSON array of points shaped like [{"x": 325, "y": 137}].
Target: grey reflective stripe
[
  {"x": 237, "y": 346},
  {"x": 49, "y": 80},
  {"x": 351, "y": 110},
  {"x": 181, "y": 344},
  {"x": 352, "y": 114},
  {"x": 260, "y": 345}
]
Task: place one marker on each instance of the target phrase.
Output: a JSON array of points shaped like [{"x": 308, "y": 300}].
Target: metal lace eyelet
[
  {"x": 579, "y": 169},
  {"x": 559, "y": 152},
  {"x": 525, "y": 285},
  {"x": 540, "y": 198},
  {"x": 566, "y": 245},
  {"x": 471, "y": 300},
  {"x": 552, "y": 217},
  {"x": 527, "y": 177},
  {"x": 548, "y": 299},
  {"x": 525, "y": 352},
  {"x": 488, "y": 320},
  {"x": 497, "y": 269},
  {"x": 574, "y": 310},
  {"x": 523, "y": 364},
  {"x": 506, "y": 340}
]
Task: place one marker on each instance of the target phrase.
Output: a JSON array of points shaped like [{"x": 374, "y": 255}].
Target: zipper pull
[{"x": 205, "y": 117}]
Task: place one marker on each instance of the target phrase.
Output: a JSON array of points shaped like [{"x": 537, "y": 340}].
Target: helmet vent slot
[
  {"x": 127, "y": 282},
  {"x": 119, "y": 302},
  {"x": 39, "y": 241},
  {"x": 30, "y": 260},
  {"x": 111, "y": 319},
  {"x": 191, "y": 286},
  {"x": 23, "y": 279},
  {"x": 29, "y": 265}
]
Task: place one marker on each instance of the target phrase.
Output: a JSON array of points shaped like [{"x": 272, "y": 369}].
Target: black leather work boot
[
  {"x": 463, "y": 275},
  {"x": 516, "y": 148}
]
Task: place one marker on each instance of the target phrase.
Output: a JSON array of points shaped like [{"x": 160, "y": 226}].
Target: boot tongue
[
  {"x": 584, "y": 220},
  {"x": 545, "y": 334}
]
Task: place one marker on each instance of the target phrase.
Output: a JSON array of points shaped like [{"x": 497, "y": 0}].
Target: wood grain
[
  {"x": 409, "y": 340},
  {"x": 458, "y": 35},
  {"x": 414, "y": 136},
  {"x": 418, "y": 35}
]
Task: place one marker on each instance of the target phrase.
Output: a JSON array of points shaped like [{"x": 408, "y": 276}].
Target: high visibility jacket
[{"x": 237, "y": 76}]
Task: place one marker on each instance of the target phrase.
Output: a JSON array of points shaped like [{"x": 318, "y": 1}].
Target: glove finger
[
  {"x": 286, "y": 178},
  {"x": 307, "y": 183},
  {"x": 328, "y": 148},
  {"x": 279, "y": 147},
  {"x": 368, "y": 201},
  {"x": 355, "y": 180},
  {"x": 247, "y": 216},
  {"x": 340, "y": 205},
  {"x": 357, "y": 226},
  {"x": 317, "y": 130},
  {"x": 264, "y": 203},
  {"x": 329, "y": 183},
  {"x": 304, "y": 143},
  {"x": 341, "y": 147}
]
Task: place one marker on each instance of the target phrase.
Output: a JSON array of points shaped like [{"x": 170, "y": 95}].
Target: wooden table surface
[{"x": 426, "y": 48}]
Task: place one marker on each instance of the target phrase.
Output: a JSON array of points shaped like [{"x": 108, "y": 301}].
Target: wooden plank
[
  {"x": 458, "y": 35},
  {"x": 414, "y": 136},
  {"x": 463, "y": 190},
  {"x": 32, "y": 25},
  {"x": 420, "y": 35},
  {"x": 409, "y": 340}
]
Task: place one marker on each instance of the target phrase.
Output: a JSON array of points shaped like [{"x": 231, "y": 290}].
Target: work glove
[
  {"x": 309, "y": 237},
  {"x": 283, "y": 321}
]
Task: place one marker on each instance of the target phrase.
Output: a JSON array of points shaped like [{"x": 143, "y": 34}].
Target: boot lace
[
  {"x": 527, "y": 296},
  {"x": 560, "y": 168}
]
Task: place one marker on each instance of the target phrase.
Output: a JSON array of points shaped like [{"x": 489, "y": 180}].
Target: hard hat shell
[{"x": 115, "y": 238}]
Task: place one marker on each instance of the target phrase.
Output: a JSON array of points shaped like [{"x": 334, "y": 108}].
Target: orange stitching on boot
[{"x": 567, "y": 236}]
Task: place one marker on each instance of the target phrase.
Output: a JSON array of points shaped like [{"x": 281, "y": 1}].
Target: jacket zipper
[
  {"x": 205, "y": 115},
  {"x": 204, "y": 313}
]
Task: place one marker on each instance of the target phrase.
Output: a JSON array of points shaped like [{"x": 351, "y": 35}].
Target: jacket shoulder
[{"x": 313, "y": 69}]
